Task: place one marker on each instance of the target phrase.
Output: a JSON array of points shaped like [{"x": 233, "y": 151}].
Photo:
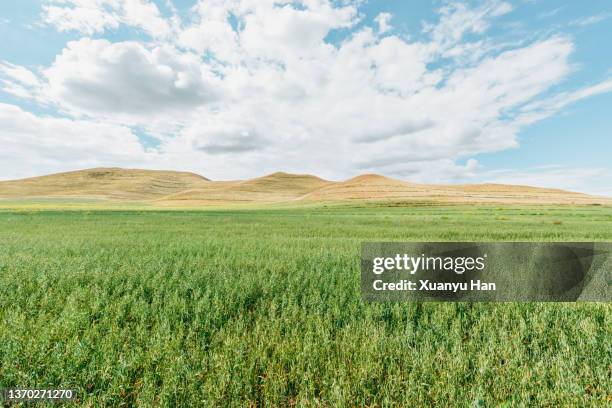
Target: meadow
[{"x": 262, "y": 307}]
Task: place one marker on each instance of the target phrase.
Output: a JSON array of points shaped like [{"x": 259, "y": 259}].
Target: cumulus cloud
[
  {"x": 260, "y": 82},
  {"x": 38, "y": 144},
  {"x": 126, "y": 77},
  {"x": 280, "y": 33}
]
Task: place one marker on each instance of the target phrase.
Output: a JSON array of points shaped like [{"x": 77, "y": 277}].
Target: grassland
[{"x": 263, "y": 308}]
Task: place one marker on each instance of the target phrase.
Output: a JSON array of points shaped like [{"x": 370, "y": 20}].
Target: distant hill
[
  {"x": 183, "y": 189},
  {"x": 105, "y": 183},
  {"x": 367, "y": 187},
  {"x": 273, "y": 188},
  {"x": 375, "y": 187}
]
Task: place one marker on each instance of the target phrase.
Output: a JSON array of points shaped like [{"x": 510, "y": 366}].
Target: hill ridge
[
  {"x": 111, "y": 183},
  {"x": 169, "y": 188}
]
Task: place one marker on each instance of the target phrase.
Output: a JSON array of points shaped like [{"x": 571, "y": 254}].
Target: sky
[{"x": 425, "y": 91}]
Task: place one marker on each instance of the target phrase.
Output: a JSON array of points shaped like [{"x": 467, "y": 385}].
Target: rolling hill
[
  {"x": 273, "y": 188},
  {"x": 104, "y": 183},
  {"x": 374, "y": 187},
  {"x": 183, "y": 189}
]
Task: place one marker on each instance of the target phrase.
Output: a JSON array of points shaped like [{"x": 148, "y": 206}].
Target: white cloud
[
  {"x": 37, "y": 144},
  {"x": 19, "y": 74},
  {"x": 247, "y": 87},
  {"x": 544, "y": 108},
  {"x": 551, "y": 13},
  {"x": 97, "y": 76},
  {"x": 457, "y": 20},
  {"x": 87, "y": 16},
  {"x": 95, "y": 16},
  {"x": 384, "y": 22},
  {"x": 212, "y": 31},
  {"x": 19, "y": 81},
  {"x": 585, "y": 180},
  {"x": 594, "y": 19},
  {"x": 429, "y": 171},
  {"x": 284, "y": 32}
]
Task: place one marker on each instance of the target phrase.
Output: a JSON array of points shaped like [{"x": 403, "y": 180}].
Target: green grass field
[{"x": 263, "y": 308}]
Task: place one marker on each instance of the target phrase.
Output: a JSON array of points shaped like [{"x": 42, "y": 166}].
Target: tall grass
[{"x": 263, "y": 308}]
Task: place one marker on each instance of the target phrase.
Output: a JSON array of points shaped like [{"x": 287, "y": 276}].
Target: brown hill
[
  {"x": 105, "y": 183},
  {"x": 181, "y": 189},
  {"x": 273, "y": 188},
  {"x": 373, "y": 187},
  {"x": 366, "y": 187}
]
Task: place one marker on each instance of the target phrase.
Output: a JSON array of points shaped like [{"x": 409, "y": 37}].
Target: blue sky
[{"x": 441, "y": 92}]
